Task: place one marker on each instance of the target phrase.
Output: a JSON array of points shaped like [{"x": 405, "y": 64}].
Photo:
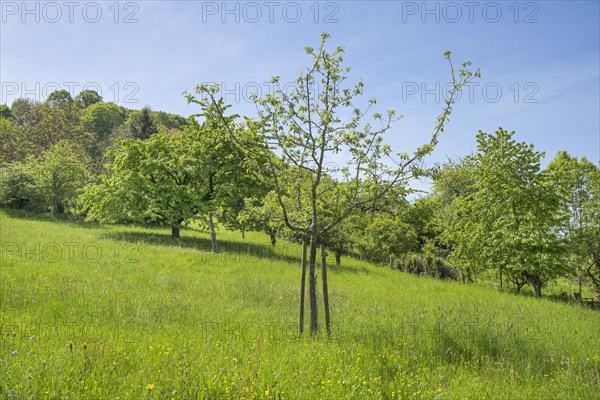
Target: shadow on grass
[
  {"x": 68, "y": 219},
  {"x": 463, "y": 342},
  {"x": 230, "y": 250},
  {"x": 234, "y": 251},
  {"x": 344, "y": 267}
]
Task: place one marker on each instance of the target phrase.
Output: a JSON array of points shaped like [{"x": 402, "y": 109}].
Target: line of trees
[
  {"x": 499, "y": 210},
  {"x": 50, "y": 149},
  {"x": 312, "y": 167}
]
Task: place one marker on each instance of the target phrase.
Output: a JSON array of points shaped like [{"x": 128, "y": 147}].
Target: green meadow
[{"x": 122, "y": 312}]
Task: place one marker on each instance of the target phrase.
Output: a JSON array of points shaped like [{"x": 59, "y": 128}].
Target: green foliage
[
  {"x": 86, "y": 98},
  {"x": 101, "y": 119},
  {"x": 578, "y": 183},
  {"x": 19, "y": 188},
  {"x": 420, "y": 215},
  {"x": 42, "y": 125},
  {"x": 387, "y": 237},
  {"x": 59, "y": 173},
  {"x": 5, "y": 111},
  {"x": 156, "y": 180},
  {"x": 60, "y": 98},
  {"x": 6, "y": 139},
  {"x": 20, "y": 110},
  {"x": 501, "y": 212},
  {"x": 168, "y": 178},
  {"x": 168, "y": 120},
  {"x": 141, "y": 124}
]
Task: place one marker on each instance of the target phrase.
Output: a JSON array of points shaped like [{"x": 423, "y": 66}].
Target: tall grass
[{"x": 116, "y": 312}]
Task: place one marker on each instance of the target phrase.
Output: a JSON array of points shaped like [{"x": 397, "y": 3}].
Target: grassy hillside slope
[{"x": 113, "y": 312}]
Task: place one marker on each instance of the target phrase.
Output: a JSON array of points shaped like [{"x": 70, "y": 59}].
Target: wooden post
[
  {"x": 302, "y": 289},
  {"x": 325, "y": 288}
]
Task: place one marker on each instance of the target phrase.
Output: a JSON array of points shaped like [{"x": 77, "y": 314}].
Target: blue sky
[{"x": 540, "y": 60}]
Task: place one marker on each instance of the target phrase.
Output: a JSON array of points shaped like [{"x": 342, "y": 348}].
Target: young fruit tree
[{"x": 318, "y": 129}]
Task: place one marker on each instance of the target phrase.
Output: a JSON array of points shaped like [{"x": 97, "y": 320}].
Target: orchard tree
[
  {"x": 508, "y": 219},
  {"x": 388, "y": 237},
  {"x": 151, "y": 181},
  {"x": 59, "y": 173},
  {"x": 169, "y": 178},
  {"x": 453, "y": 186},
  {"x": 578, "y": 183},
  {"x": 18, "y": 188},
  {"x": 262, "y": 215},
  {"x": 308, "y": 127}
]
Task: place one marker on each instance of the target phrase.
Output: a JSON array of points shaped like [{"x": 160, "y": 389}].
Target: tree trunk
[
  {"x": 243, "y": 233},
  {"x": 338, "y": 258},
  {"x": 535, "y": 281},
  {"x": 312, "y": 284},
  {"x": 538, "y": 289},
  {"x": 500, "y": 278},
  {"x": 213, "y": 233},
  {"x": 537, "y": 286},
  {"x": 325, "y": 288},
  {"x": 175, "y": 232},
  {"x": 302, "y": 289},
  {"x": 59, "y": 208},
  {"x": 274, "y": 239}
]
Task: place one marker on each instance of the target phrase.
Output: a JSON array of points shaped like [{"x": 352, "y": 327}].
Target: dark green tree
[
  {"x": 86, "y": 98},
  {"x": 60, "y": 98},
  {"x": 142, "y": 125},
  {"x": 5, "y": 111}
]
